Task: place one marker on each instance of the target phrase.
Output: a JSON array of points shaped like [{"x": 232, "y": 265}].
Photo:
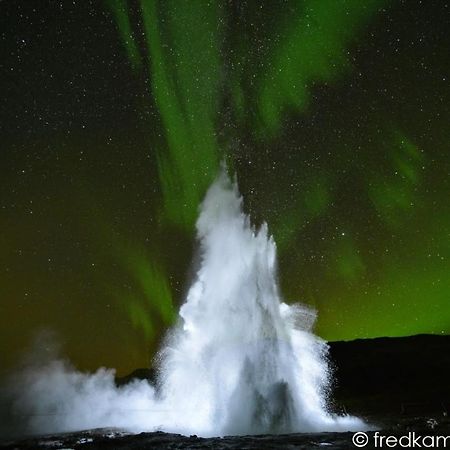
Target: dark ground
[
  {"x": 114, "y": 439},
  {"x": 406, "y": 375},
  {"x": 400, "y": 385}
]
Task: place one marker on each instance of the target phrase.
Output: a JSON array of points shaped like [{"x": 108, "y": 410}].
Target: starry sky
[{"x": 116, "y": 115}]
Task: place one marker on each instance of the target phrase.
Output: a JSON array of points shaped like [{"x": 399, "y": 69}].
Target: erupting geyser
[{"x": 240, "y": 360}]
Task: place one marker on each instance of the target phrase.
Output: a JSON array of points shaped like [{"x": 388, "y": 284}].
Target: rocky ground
[{"x": 431, "y": 426}]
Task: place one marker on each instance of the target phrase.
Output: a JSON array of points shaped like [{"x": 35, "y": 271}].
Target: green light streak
[
  {"x": 313, "y": 50},
  {"x": 184, "y": 65},
  {"x": 149, "y": 302},
  {"x": 395, "y": 195},
  {"x": 317, "y": 199},
  {"x": 154, "y": 286},
  {"x": 120, "y": 10},
  {"x": 348, "y": 261},
  {"x": 139, "y": 317},
  {"x": 184, "y": 44},
  {"x": 141, "y": 285},
  {"x": 313, "y": 204}
]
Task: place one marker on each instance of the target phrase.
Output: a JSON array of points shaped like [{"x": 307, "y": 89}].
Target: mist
[
  {"x": 240, "y": 360},
  {"x": 46, "y": 394}
]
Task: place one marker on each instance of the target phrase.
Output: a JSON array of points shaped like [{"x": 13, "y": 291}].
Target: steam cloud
[
  {"x": 240, "y": 360},
  {"x": 48, "y": 395}
]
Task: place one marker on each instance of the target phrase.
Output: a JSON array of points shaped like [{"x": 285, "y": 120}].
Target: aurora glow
[
  {"x": 334, "y": 115},
  {"x": 185, "y": 79}
]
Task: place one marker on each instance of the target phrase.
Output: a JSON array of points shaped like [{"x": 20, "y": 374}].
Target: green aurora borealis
[{"x": 117, "y": 114}]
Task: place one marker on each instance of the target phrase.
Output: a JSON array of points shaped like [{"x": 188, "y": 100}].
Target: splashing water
[
  {"x": 239, "y": 362},
  {"x": 243, "y": 362}
]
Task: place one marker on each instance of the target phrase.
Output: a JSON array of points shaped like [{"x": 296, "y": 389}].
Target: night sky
[{"x": 114, "y": 119}]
